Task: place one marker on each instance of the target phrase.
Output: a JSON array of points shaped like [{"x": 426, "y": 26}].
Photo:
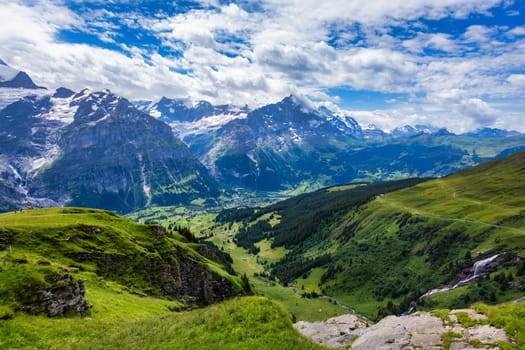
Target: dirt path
[{"x": 433, "y": 216}]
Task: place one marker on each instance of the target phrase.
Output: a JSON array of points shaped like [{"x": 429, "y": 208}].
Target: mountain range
[
  {"x": 97, "y": 149},
  {"x": 92, "y": 149},
  {"x": 292, "y": 144}
]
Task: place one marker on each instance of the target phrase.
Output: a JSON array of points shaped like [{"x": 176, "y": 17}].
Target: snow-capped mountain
[
  {"x": 15, "y": 84},
  {"x": 372, "y": 132},
  {"x": 292, "y": 142},
  {"x": 29, "y": 139},
  {"x": 189, "y": 119},
  {"x": 93, "y": 149},
  {"x": 185, "y": 110},
  {"x": 409, "y": 130},
  {"x": 277, "y": 146}
]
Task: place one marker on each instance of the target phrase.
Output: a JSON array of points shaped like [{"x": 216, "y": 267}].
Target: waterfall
[{"x": 479, "y": 268}]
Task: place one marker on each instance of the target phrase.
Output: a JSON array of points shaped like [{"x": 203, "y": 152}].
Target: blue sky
[{"x": 453, "y": 63}]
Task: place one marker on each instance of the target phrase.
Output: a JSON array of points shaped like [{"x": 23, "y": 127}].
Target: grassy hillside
[
  {"x": 242, "y": 323},
  {"x": 379, "y": 251},
  {"x": 45, "y": 250},
  {"x": 131, "y": 274}
]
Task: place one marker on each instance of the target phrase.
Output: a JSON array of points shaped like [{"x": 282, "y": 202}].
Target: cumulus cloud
[
  {"x": 378, "y": 11},
  {"x": 258, "y": 52},
  {"x": 437, "y": 41},
  {"x": 517, "y": 80},
  {"x": 518, "y": 31}
]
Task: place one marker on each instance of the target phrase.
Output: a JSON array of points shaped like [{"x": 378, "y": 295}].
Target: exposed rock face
[
  {"x": 167, "y": 270},
  {"x": 12, "y": 78},
  {"x": 89, "y": 149},
  {"x": 282, "y": 145},
  {"x": 421, "y": 330},
  {"x": 336, "y": 332},
  {"x": 93, "y": 149},
  {"x": 191, "y": 279},
  {"x": 68, "y": 295},
  {"x": 115, "y": 157},
  {"x": 10, "y": 198},
  {"x": 276, "y": 145}
]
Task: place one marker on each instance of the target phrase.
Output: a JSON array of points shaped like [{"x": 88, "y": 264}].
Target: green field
[
  {"x": 303, "y": 309},
  {"x": 243, "y": 323},
  {"x": 245, "y": 263}
]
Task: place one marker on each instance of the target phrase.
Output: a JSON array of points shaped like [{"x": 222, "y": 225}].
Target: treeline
[
  {"x": 308, "y": 214},
  {"x": 247, "y": 237},
  {"x": 291, "y": 267},
  {"x": 234, "y": 215},
  {"x": 185, "y": 232},
  {"x": 331, "y": 273},
  {"x": 305, "y": 215}
]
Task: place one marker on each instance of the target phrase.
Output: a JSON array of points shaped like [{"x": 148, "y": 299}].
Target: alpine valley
[
  {"x": 288, "y": 226},
  {"x": 97, "y": 149}
]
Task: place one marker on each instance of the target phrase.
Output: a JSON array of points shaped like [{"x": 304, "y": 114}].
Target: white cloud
[
  {"x": 436, "y": 41},
  {"x": 379, "y": 10},
  {"x": 517, "y": 80},
  {"x": 479, "y": 34},
  {"x": 202, "y": 27},
  {"x": 235, "y": 56},
  {"x": 517, "y": 31}
]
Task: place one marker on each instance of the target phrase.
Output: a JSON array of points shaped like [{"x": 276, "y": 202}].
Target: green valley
[
  {"x": 262, "y": 175},
  {"x": 373, "y": 248},
  {"x": 379, "y": 247}
]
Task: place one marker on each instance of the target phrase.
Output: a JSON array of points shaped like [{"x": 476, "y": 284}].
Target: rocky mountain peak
[
  {"x": 100, "y": 105},
  {"x": 294, "y": 102},
  {"x": 12, "y": 78},
  {"x": 63, "y": 92},
  {"x": 94, "y": 148}
]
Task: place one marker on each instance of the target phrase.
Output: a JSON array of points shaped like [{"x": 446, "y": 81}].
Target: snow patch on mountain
[
  {"x": 48, "y": 156},
  {"x": 62, "y": 110},
  {"x": 409, "y": 130},
  {"x": 204, "y": 125},
  {"x": 11, "y": 95}
]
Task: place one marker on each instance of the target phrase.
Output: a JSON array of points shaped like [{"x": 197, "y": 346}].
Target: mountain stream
[{"x": 478, "y": 268}]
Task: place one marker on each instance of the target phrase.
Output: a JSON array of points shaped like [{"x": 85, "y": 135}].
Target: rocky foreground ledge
[{"x": 460, "y": 329}]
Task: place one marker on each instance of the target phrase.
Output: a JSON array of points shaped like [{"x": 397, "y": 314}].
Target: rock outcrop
[
  {"x": 167, "y": 270},
  {"x": 421, "y": 330},
  {"x": 336, "y": 332},
  {"x": 66, "y": 296}
]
